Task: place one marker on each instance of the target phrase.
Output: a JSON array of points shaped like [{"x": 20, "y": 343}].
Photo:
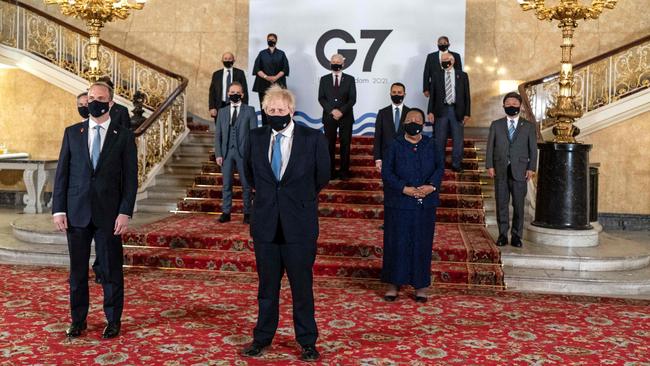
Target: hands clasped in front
[{"x": 419, "y": 192}]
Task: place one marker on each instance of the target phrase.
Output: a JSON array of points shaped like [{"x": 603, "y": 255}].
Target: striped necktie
[
  {"x": 450, "y": 94},
  {"x": 511, "y": 129}
]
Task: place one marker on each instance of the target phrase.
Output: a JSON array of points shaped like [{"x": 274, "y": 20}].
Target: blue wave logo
[{"x": 363, "y": 126}]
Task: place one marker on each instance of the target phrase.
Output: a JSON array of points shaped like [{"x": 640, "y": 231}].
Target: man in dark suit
[
  {"x": 433, "y": 65},
  {"x": 119, "y": 114},
  {"x": 221, "y": 80},
  {"x": 234, "y": 122},
  {"x": 337, "y": 94},
  {"x": 511, "y": 159},
  {"x": 287, "y": 165},
  {"x": 94, "y": 194},
  {"x": 271, "y": 67},
  {"x": 389, "y": 121},
  {"x": 449, "y": 109}
]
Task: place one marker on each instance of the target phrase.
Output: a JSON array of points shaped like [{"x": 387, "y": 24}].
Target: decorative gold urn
[
  {"x": 96, "y": 13},
  {"x": 566, "y": 110}
]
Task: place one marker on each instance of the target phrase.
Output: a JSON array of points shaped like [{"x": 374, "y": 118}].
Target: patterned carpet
[
  {"x": 204, "y": 318},
  {"x": 350, "y": 243}
]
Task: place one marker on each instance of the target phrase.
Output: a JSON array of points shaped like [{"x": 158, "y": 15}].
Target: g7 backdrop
[{"x": 383, "y": 41}]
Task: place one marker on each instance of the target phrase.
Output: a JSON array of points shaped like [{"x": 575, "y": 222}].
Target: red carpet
[
  {"x": 191, "y": 318},
  {"x": 350, "y": 244}
]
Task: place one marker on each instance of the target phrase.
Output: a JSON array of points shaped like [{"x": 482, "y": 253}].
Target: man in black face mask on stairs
[
  {"x": 287, "y": 165},
  {"x": 337, "y": 94}
]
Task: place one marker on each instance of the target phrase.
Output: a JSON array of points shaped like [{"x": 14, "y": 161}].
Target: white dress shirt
[
  {"x": 224, "y": 83},
  {"x": 285, "y": 148},
  {"x": 92, "y": 133},
  {"x": 440, "y": 53}
]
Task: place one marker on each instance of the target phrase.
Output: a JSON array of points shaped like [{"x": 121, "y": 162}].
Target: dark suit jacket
[
  {"x": 521, "y": 153},
  {"x": 385, "y": 129},
  {"x": 120, "y": 115},
  {"x": 404, "y": 168},
  {"x": 216, "y": 87},
  {"x": 246, "y": 121},
  {"x": 344, "y": 100},
  {"x": 432, "y": 66},
  {"x": 99, "y": 195},
  {"x": 437, "y": 96},
  {"x": 294, "y": 200}
]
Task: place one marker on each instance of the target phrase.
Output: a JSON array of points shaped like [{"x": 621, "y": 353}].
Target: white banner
[{"x": 383, "y": 42}]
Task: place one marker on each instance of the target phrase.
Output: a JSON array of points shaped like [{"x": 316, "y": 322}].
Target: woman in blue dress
[{"x": 412, "y": 173}]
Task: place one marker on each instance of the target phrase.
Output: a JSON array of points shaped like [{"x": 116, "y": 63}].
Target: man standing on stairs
[
  {"x": 449, "y": 109},
  {"x": 221, "y": 80},
  {"x": 511, "y": 159},
  {"x": 389, "y": 122},
  {"x": 94, "y": 193},
  {"x": 337, "y": 94},
  {"x": 287, "y": 165},
  {"x": 234, "y": 122}
]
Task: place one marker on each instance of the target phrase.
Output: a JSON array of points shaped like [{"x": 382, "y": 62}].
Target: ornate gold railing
[
  {"x": 598, "y": 81},
  {"x": 31, "y": 30}
]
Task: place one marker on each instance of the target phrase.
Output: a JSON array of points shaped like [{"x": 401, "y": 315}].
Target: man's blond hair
[{"x": 277, "y": 92}]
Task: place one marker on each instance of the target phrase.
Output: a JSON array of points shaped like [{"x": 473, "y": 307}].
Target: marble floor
[{"x": 622, "y": 260}]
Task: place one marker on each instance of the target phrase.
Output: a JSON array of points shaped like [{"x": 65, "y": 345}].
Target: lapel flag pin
[{"x": 82, "y": 130}]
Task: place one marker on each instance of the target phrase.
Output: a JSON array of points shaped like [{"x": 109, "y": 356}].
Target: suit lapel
[
  {"x": 111, "y": 135},
  {"x": 84, "y": 143},
  {"x": 520, "y": 125},
  {"x": 265, "y": 144}
]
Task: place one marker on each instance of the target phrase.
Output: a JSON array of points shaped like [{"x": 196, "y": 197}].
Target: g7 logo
[{"x": 379, "y": 36}]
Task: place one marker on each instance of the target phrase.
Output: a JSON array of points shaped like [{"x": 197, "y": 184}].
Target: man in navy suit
[
  {"x": 94, "y": 194},
  {"x": 449, "y": 109},
  {"x": 388, "y": 123},
  {"x": 287, "y": 165},
  {"x": 234, "y": 122},
  {"x": 337, "y": 94}
]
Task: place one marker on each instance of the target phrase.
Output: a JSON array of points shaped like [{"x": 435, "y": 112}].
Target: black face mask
[
  {"x": 279, "y": 123},
  {"x": 97, "y": 108},
  {"x": 336, "y": 67},
  {"x": 270, "y": 43},
  {"x": 83, "y": 111},
  {"x": 512, "y": 111},
  {"x": 412, "y": 128},
  {"x": 228, "y": 64},
  {"x": 235, "y": 98},
  {"x": 443, "y": 47},
  {"x": 397, "y": 99},
  {"x": 445, "y": 64}
]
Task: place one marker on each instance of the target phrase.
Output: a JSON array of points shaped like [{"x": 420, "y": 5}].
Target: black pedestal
[{"x": 563, "y": 186}]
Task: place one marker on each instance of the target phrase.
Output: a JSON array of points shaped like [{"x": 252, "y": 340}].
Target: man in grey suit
[
  {"x": 234, "y": 121},
  {"x": 511, "y": 159}
]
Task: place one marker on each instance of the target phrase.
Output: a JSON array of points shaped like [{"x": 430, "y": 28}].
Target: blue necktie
[
  {"x": 276, "y": 157},
  {"x": 97, "y": 146},
  {"x": 511, "y": 130},
  {"x": 396, "y": 119}
]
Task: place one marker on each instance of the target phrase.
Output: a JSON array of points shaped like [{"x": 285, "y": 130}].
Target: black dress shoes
[
  {"x": 112, "y": 330},
  {"x": 247, "y": 219},
  {"x": 255, "y": 349},
  {"x": 309, "y": 353},
  {"x": 345, "y": 175},
  {"x": 225, "y": 217},
  {"x": 516, "y": 241},
  {"x": 75, "y": 329},
  {"x": 502, "y": 241},
  {"x": 390, "y": 298},
  {"x": 457, "y": 169},
  {"x": 421, "y": 299}
]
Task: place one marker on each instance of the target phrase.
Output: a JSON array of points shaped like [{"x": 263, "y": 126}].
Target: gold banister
[{"x": 32, "y": 30}]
